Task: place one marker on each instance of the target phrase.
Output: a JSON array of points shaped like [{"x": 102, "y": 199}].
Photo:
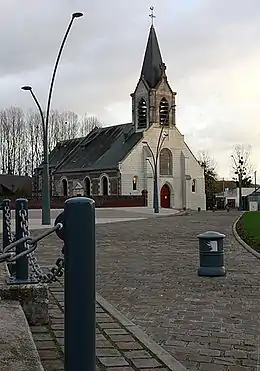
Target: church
[{"x": 126, "y": 159}]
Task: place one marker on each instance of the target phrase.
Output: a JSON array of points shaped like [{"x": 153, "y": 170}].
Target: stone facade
[
  {"x": 77, "y": 183},
  {"x": 185, "y": 170}
]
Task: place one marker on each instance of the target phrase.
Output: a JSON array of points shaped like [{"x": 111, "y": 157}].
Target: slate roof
[
  {"x": 62, "y": 150},
  {"x": 14, "y": 183},
  {"x": 103, "y": 148},
  {"x": 151, "y": 69}
]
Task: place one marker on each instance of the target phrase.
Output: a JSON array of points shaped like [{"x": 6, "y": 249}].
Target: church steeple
[
  {"x": 153, "y": 100},
  {"x": 152, "y": 63}
]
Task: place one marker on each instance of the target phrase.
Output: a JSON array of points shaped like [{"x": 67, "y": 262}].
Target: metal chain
[
  {"x": 7, "y": 211},
  {"x": 56, "y": 271}
]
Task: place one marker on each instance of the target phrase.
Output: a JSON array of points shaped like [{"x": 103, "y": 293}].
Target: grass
[{"x": 248, "y": 228}]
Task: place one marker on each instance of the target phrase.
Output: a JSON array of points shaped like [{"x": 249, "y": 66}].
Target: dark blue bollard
[
  {"x": 6, "y": 208},
  {"x": 21, "y": 227},
  {"x": 80, "y": 296}
]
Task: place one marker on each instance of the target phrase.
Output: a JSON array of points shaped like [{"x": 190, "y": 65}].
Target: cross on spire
[{"x": 152, "y": 15}]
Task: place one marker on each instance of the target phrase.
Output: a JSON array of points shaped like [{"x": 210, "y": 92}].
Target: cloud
[{"x": 210, "y": 49}]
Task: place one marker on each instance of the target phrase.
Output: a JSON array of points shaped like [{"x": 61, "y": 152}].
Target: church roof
[
  {"x": 103, "y": 148},
  {"x": 151, "y": 70}
]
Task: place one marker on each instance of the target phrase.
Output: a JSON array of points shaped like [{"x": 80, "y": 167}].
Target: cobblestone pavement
[
  {"x": 116, "y": 348},
  {"x": 148, "y": 270}
]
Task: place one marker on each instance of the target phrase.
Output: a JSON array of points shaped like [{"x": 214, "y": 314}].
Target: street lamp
[
  {"x": 154, "y": 164},
  {"x": 46, "y": 217}
]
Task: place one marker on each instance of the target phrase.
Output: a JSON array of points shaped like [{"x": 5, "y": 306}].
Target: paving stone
[
  {"x": 113, "y": 361},
  {"x": 137, "y": 354},
  {"x": 107, "y": 352},
  {"x": 122, "y": 369},
  {"x": 116, "y": 331},
  {"x": 123, "y": 338},
  {"x": 145, "y": 362},
  {"x": 129, "y": 345},
  {"x": 53, "y": 365},
  {"x": 48, "y": 354},
  {"x": 103, "y": 344},
  {"x": 44, "y": 344}
]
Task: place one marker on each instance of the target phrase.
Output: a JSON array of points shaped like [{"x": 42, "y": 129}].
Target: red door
[{"x": 165, "y": 197}]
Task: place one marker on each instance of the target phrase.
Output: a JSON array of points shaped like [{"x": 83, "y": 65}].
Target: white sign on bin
[{"x": 213, "y": 246}]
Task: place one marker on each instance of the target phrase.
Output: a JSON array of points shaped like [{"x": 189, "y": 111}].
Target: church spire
[{"x": 152, "y": 64}]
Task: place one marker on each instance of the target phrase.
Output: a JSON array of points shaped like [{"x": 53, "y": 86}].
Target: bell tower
[{"x": 153, "y": 101}]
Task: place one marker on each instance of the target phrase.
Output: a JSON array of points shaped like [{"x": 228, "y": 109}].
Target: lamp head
[
  {"x": 144, "y": 142},
  {"x": 77, "y": 15},
  {"x": 26, "y": 87}
]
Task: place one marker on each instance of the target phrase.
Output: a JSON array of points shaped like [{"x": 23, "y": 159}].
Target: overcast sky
[{"x": 211, "y": 49}]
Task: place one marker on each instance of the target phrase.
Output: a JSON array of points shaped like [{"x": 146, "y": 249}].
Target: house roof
[
  {"x": 102, "y": 148},
  {"x": 15, "y": 182},
  {"x": 151, "y": 69}
]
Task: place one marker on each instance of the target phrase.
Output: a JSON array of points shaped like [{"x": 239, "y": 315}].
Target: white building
[{"x": 118, "y": 160}]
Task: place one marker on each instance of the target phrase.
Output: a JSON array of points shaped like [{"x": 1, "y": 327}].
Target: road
[{"x": 149, "y": 272}]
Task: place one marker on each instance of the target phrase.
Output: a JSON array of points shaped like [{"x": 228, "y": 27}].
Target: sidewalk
[
  {"x": 120, "y": 345},
  {"x": 103, "y": 216}
]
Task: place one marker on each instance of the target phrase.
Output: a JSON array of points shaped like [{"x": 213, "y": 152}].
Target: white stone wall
[{"x": 135, "y": 164}]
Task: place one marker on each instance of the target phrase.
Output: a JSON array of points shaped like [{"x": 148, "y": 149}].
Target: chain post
[
  {"x": 79, "y": 282},
  {"x": 21, "y": 230}
]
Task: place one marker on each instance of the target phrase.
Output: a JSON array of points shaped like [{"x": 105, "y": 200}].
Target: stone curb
[
  {"x": 136, "y": 331},
  {"x": 241, "y": 242}
]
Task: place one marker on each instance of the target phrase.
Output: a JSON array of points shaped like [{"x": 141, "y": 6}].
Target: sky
[{"x": 211, "y": 49}]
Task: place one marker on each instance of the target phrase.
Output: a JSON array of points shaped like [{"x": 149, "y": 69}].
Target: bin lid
[{"x": 211, "y": 235}]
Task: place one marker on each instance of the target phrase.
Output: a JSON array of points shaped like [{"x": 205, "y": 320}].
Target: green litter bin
[{"x": 211, "y": 254}]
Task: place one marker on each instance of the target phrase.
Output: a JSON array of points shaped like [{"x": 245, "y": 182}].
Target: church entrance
[{"x": 165, "y": 196}]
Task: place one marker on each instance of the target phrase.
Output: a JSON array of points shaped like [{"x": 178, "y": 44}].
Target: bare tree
[
  {"x": 209, "y": 165},
  {"x": 21, "y": 136},
  {"x": 88, "y": 124},
  {"x": 241, "y": 165}
]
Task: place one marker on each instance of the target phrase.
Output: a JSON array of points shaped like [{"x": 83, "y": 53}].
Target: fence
[
  {"x": 57, "y": 202},
  {"x": 75, "y": 226}
]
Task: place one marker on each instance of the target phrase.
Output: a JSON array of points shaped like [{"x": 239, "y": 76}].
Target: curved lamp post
[
  {"x": 46, "y": 217},
  {"x": 154, "y": 164}
]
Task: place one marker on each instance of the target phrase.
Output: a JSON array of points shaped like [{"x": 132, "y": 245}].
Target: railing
[{"x": 75, "y": 226}]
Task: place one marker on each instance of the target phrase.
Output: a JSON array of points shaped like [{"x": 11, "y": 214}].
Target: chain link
[
  {"x": 56, "y": 271},
  {"x": 7, "y": 212}
]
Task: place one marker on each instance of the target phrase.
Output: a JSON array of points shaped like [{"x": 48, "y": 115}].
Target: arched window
[
  {"x": 64, "y": 187},
  {"x": 165, "y": 162},
  {"x": 164, "y": 112},
  {"x": 87, "y": 186},
  {"x": 193, "y": 185},
  {"x": 134, "y": 183},
  {"x": 104, "y": 184},
  {"x": 142, "y": 114}
]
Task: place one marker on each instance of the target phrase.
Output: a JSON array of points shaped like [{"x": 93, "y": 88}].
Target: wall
[
  {"x": 76, "y": 179},
  {"x": 100, "y": 201}
]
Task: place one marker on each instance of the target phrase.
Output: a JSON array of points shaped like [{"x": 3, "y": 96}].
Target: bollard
[
  {"x": 211, "y": 254},
  {"x": 79, "y": 282},
  {"x": 21, "y": 228}
]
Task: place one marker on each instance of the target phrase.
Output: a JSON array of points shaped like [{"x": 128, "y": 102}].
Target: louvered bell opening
[
  {"x": 164, "y": 112},
  {"x": 142, "y": 114}
]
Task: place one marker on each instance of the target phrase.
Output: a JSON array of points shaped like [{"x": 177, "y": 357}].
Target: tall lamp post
[
  {"x": 46, "y": 217},
  {"x": 155, "y": 157}
]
